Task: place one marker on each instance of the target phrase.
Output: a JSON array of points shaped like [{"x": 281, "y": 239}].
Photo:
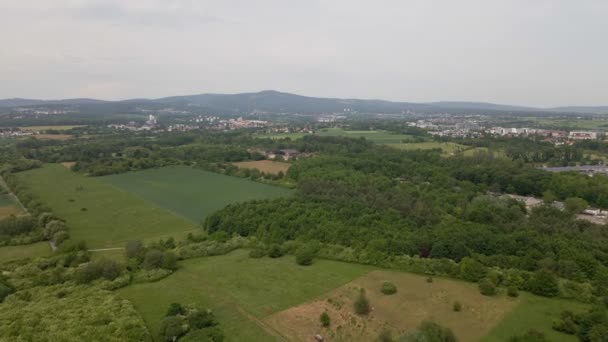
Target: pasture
[
  {"x": 99, "y": 213},
  {"x": 38, "y": 249},
  {"x": 241, "y": 291},
  {"x": 379, "y": 137},
  {"x": 191, "y": 193},
  {"x": 447, "y": 148},
  {"x": 52, "y": 136},
  {"x": 266, "y": 166},
  {"x": 44, "y": 128},
  {"x": 416, "y": 300}
]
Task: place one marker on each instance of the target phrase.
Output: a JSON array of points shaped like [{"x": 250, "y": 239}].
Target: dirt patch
[
  {"x": 68, "y": 165},
  {"x": 9, "y": 210},
  {"x": 416, "y": 300},
  {"x": 266, "y": 166}
]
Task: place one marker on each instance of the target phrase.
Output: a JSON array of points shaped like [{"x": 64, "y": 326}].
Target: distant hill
[{"x": 279, "y": 102}]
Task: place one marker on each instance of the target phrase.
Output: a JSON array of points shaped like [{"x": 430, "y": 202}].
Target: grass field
[
  {"x": 416, "y": 300},
  {"x": 241, "y": 291},
  {"x": 266, "y": 166},
  {"x": 39, "y": 249},
  {"x": 189, "y": 192},
  {"x": 534, "y": 313},
  {"x": 52, "y": 136},
  {"x": 379, "y": 137},
  {"x": 99, "y": 213},
  {"x": 447, "y": 148},
  {"x": 8, "y": 206},
  {"x": 44, "y": 128}
]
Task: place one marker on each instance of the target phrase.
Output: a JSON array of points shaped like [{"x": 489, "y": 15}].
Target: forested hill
[{"x": 280, "y": 102}]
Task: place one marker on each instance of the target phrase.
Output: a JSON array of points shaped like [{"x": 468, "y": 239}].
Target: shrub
[
  {"x": 88, "y": 273},
  {"x": 429, "y": 279},
  {"x": 304, "y": 256},
  {"x": 171, "y": 328},
  {"x": 530, "y": 336},
  {"x": 257, "y": 253},
  {"x": 565, "y": 325},
  {"x": 385, "y": 336},
  {"x": 169, "y": 261},
  {"x": 543, "y": 283},
  {"x": 110, "y": 269},
  {"x": 275, "y": 251},
  {"x": 512, "y": 291},
  {"x": 201, "y": 319},
  {"x": 175, "y": 309},
  {"x": 5, "y": 290},
  {"x": 362, "y": 304},
  {"x": 153, "y": 259},
  {"x": 388, "y": 288},
  {"x": 487, "y": 288},
  {"x": 457, "y": 307},
  {"x": 429, "y": 331},
  {"x": 325, "y": 320},
  {"x": 134, "y": 249}
]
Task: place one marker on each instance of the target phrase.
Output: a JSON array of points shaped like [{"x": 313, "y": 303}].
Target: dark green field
[{"x": 189, "y": 192}]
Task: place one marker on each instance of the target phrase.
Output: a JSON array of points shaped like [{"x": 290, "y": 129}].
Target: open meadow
[
  {"x": 102, "y": 215},
  {"x": 191, "y": 193},
  {"x": 9, "y": 206},
  {"x": 44, "y": 128},
  {"x": 240, "y": 290},
  {"x": 447, "y": 148},
  {"x": 38, "y": 249},
  {"x": 266, "y": 166},
  {"x": 379, "y": 137}
]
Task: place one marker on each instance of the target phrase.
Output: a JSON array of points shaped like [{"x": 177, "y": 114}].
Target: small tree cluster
[
  {"x": 388, "y": 288},
  {"x": 429, "y": 331},
  {"x": 189, "y": 324},
  {"x": 361, "y": 305},
  {"x": 325, "y": 320},
  {"x": 487, "y": 287},
  {"x": 103, "y": 268},
  {"x": 150, "y": 257}
]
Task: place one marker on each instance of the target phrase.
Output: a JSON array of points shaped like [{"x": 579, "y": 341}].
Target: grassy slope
[
  {"x": 189, "y": 192},
  {"x": 112, "y": 216},
  {"x": 39, "y": 249},
  {"x": 240, "y": 290},
  {"x": 534, "y": 313}
]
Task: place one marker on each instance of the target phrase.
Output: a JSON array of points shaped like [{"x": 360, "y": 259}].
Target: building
[{"x": 582, "y": 135}]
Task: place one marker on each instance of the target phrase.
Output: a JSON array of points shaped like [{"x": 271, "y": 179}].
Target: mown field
[
  {"x": 265, "y": 299},
  {"x": 447, "y": 148},
  {"x": 240, "y": 290},
  {"x": 39, "y": 249},
  {"x": 379, "y": 137},
  {"x": 44, "y": 128},
  {"x": 99, "y": 213},
  {"x": 266, "y": 166},
  {"x": 191, "y": 193}
]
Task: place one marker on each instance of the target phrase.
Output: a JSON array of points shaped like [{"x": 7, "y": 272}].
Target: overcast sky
[{"x": 527, "y": 52}]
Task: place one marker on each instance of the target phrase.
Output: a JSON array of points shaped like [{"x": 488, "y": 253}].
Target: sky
[{"x": 523, "y": 52}]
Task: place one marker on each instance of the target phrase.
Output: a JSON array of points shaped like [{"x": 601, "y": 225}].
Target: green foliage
[
  {"x": 575, "y": 205},
  {"x": 543, "y": 283},
  {"x": 5, "y": 290},
  {"x": 472, "y": 270},
  {"x": 153, "y": 259},
  {"x": 512, "y": 291},
  {"x": 429, "y": 331},
  {"x": 530, "y": 336},
  {"x": 171, "y": 328},
  {"x": 257, "y": 252},
  {"x": 275, "y": 251},
  {"x": 135, "y": 249},
  {"x": 361, "y": 304},
  {"x": 169, "y": 261},
  {"x": 457, "y": 307},
  {"x": 305, "y": 255},
  {"x": 175, "y": 309},
  {"x": 487, "y": 288},
  {"x": 201, "y": 319},
  {"x": 325, "y": 320},
  {"x": 388, "y": 288}
]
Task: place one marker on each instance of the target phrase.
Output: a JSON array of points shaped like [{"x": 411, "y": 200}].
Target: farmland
[
  {"x": 379, "y": 137},
  {"x": 39, "y": 249},
  {"x": 191, "y": 193},
  {"x": 99, "y": 213},
  {"x": 241, "y": 291},
  {"x": 44, "y": 128},
  {"x": 266, "y": 166},
  {"x": 448, "y": 148}
]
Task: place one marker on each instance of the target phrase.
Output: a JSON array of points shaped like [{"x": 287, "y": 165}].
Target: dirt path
[
  {"x": 105, "y": 249},
  {"x": 267, "y": 328}
]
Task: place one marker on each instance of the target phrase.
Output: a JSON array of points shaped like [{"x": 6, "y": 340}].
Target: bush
[
  {"x": 257, "y": 253},
  {"x": 135, "y": 249},
  {"x": 457, "y": 307},
  {"x": 5, "y": 290},
  {"x": 429, "y": 279},
  {"x": 487, "y": 288},
  {"x": 88, "y": 273},
  {"x": 325, "y": 320},
  {"x": 362, "y": 304},
  {"x": 565, "y": 325},
  {"x": 110, "y": 269},
  {"x": 429, "y": 331},
  {"x": 275, "y": 251},
  {"x": 543, "y": 283},
  {"x": 171, "y": 328},
  {"x": 512, "y": 291},
  {"x": 530, "y": 336},
  {"x": 175, "y": 309},
  {"x": 201, "y": 319},
  {"x": 304, "y": 256},
  {"x": 388, "y": 288},
  {"x": 169, "y": 261},
  {"x": 153, "y": 259}
]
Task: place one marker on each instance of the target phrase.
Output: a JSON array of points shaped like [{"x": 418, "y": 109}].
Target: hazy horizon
[{"x": 540, "y": 54}]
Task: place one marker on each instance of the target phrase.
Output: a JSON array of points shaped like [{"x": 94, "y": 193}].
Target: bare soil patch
[
  {"x": 266, "y": 166},
  {"x": 9, "y": 210},
  {"x": 68, "y": 165},
  {"x": 416, "y": 300}
]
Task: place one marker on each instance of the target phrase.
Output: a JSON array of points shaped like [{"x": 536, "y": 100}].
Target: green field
[
  {"x": 534, "y": 313},
  {"x": 240, "y": 290},
  {"x": 379, "y": 137},
  {"x": 447, "y": 148},
  {"x": 100, "y": 214},
  {"x": 6, "y": 200},
  {"x": 191, "y": 193},
  {"x": 39, "y": 249}
]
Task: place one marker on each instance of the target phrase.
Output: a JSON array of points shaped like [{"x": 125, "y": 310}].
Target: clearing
[
  {"x": 416, "y": 300},
  {"x": 38, "y": 249},
  {"x": 8, "y": 206},
  {"x": 266, "y": 166},
  {"x": 99, "y": 213},
  {"x": 447, "y": 148},
  {"x": 191, "y": 193},
  {"x": 379, "y": 137},
  {"x": 240, "y": 290},
  {"x": 44, "y": 128}
]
